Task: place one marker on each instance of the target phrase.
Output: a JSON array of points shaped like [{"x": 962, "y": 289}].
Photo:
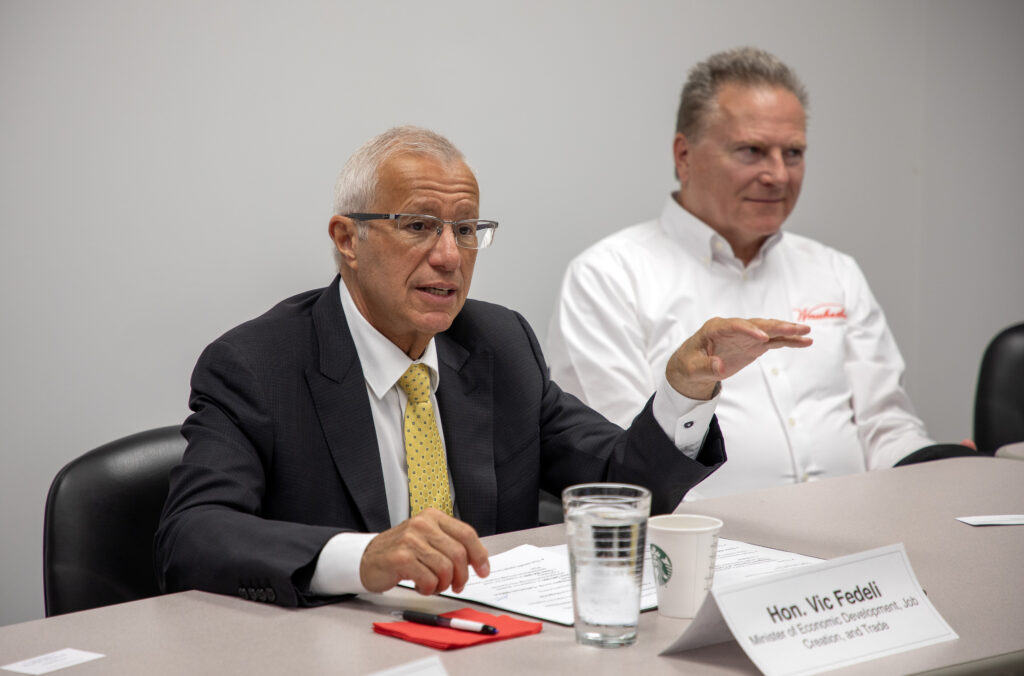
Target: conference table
[{"x": 972, "y": 575}]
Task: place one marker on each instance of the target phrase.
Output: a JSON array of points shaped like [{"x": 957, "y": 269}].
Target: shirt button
[
  {"x": 775, "y": 371},
  {"x": 688, "y": 424},
  {"x": 792, "y": 422}
]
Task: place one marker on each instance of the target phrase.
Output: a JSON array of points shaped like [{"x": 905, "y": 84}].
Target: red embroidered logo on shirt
[{"x": 820, "y": 311}]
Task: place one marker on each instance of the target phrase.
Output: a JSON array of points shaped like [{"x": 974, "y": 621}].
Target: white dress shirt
[
  {"x": 837, "y": 407},
  {"x": 383, "y": 364},
  {"x": 337, "y": 570}
]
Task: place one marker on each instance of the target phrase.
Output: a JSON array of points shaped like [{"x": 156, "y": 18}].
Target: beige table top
[{"x": 972, "y": 576}]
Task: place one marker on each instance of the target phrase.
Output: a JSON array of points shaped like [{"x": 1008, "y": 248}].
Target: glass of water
[{"x": 606, "y": 526}]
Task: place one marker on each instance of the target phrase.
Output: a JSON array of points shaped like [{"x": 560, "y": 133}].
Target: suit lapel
[
  {"x": 466, "y": 400},
  {"x": 338, "y": 389}
]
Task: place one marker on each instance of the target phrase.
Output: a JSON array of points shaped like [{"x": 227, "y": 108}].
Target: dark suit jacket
[{"x": 282, "y": 452}]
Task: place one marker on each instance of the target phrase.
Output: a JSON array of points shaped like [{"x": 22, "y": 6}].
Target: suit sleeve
[
  {"x": 580, "y": 445},
  {"x": 212, "y": 536}
]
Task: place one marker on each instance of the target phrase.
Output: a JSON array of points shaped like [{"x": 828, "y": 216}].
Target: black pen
[{"x": 441, "y": 621}]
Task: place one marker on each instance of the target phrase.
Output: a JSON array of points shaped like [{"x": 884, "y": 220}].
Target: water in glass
[{"x": 606, "y": 547}]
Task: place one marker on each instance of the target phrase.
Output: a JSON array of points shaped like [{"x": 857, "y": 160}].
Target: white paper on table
[
  {"x": 527, "y": 580},
  {"x": 993, "y": 520},
  {"x": 59, "y": 659},
  {"x": 737, "y": 561},
  {"x": 428, "y": 666},
  {"x": 535, "y": 581}
]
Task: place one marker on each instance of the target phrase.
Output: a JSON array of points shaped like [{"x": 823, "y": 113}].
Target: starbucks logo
[{"x": 662, "y": 565}]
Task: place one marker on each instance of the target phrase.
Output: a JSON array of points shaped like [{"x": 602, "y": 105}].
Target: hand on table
[
  {"x": 722, "y": 347},
  {"x": 431, "y": 549}
]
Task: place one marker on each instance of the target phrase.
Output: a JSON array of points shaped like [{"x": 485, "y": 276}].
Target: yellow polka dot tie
[{"x": 428, "y": 471}]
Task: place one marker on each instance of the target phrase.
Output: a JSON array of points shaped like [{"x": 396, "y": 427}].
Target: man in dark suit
[{"x": 303, "y": 481}]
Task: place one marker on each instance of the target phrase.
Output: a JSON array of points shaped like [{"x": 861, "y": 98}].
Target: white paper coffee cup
[{"x": 683, "y": 549}]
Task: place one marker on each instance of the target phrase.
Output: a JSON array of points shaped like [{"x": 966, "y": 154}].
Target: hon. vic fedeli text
[{"x": 839, "y": 598}]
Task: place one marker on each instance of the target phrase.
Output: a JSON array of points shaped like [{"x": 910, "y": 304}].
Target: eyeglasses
[{"x": 416, "y": 228}]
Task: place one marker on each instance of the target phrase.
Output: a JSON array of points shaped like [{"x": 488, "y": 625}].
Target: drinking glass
[{"x": 606, "y": 525}]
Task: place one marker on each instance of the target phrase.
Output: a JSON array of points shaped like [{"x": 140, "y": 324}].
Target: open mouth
[{"x": 435, "y": 291}]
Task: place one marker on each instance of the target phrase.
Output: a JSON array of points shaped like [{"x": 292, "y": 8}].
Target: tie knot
[{"x": 416, "y": 383}]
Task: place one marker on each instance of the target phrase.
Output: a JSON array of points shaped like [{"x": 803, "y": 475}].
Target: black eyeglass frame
[{"x": 478, "y": 223}]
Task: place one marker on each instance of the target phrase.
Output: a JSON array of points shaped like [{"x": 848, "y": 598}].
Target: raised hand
[{"x": 722, "y": 347}]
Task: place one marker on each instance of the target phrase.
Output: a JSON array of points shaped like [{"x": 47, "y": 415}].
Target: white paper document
[
  {"x": 993, "y": 520},
  {"x": 527, "y": 580},
  {"x": 737, "y": 561},
  {"x": 821, "y": 617},
  {"x": 44, "y": 664},
  {"x": 428, "y": 666},
  {"x": 535, "y": 581}
]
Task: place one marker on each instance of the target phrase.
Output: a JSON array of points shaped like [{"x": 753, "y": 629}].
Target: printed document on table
[
  {"x": 535, "y": 581},
  {"x": 993, "y": 520},
  {"x": 737, "y": 561}
]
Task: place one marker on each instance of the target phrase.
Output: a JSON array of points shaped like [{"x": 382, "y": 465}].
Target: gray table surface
[{"x": 972, "y": 576}]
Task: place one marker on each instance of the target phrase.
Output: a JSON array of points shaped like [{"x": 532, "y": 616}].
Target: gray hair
[
  {"x": 746, "y": 66},
  {"x": 357, "y": 183},
  {"x": 356, "y": 186}
]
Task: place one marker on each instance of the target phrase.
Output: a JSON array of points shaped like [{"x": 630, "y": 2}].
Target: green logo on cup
[{"x": 662, "y": 565}]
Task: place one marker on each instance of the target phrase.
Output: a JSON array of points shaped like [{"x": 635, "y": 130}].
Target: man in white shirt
[
  {"x": 367, "y": 433},
  {"x": 718, "y": 249}
]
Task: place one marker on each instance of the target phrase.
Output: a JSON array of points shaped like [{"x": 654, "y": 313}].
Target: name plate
[{"x": 822, "y": 616}]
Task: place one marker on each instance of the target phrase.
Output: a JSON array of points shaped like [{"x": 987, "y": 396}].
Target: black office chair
[
  {"x": 999, "y": 402},
  {"x": 101, "y": 514}
]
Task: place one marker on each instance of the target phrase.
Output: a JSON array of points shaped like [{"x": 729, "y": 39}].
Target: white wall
[{"x": 166, "y": 168}]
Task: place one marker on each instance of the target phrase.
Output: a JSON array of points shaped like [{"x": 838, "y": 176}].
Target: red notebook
[{"x": 444, "y": 638}]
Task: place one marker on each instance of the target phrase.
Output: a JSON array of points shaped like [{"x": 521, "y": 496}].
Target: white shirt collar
[
  {"x": 382, "y": 362},
  {"x": 702, "y": 241}
]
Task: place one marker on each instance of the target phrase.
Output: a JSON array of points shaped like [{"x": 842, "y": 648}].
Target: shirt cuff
[
  {"x": 684, "y": 420},
  {"x": 337, "y": 568}
]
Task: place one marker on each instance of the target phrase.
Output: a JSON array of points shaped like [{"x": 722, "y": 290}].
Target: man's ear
[
  {"x": 344, "y": 233},
  {"x": 681, "y": 156}
]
